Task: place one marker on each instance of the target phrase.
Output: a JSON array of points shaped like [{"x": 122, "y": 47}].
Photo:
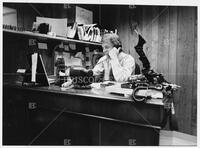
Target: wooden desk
[{"x": 51, "y": 116}]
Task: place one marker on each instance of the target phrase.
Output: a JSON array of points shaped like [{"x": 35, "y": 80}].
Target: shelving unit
[{"x": 48, "y": 37}]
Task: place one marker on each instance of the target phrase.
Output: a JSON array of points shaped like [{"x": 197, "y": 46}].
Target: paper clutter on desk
[
  {"x": 96, "y": 85},
  {"x": 21, "y": 71},
  {"x": 116, "y": 89},
  {"x": 67, "y": 84},
  {"x": 66, "y": 88},
  {"x": 150, "y": 92}
]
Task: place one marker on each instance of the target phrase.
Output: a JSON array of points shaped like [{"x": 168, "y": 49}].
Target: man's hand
[{"x": 113, "y": 53}]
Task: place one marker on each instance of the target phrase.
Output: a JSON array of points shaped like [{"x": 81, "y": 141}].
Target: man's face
[{"x": 106, "y": 47}]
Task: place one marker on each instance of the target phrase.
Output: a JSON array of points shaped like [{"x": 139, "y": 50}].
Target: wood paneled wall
[{"x": 171, "y": 35}]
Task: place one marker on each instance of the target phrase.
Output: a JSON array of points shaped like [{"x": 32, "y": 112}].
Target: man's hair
[{"x": 112, "y": 38}]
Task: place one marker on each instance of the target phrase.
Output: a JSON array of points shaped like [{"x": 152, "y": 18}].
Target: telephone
[{"x": 118, "y": 46}]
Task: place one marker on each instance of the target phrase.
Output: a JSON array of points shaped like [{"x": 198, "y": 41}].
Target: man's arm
[
  {"x": 98, "y": 68},
  {"x": 124, "y": 71}
]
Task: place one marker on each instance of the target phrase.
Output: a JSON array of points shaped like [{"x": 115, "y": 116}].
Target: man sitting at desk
[{"x": 115, "y": 65}]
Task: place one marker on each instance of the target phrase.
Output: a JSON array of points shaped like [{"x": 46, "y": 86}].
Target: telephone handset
[
  {"x": 119, "y": 47},
  {"x": 105, "y": 58}
]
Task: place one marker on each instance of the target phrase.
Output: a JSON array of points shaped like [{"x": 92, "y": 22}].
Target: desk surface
[{"x": 91, "y": 93}]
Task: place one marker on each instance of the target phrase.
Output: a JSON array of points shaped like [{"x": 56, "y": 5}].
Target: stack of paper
[{"x": 89, "y": 33}]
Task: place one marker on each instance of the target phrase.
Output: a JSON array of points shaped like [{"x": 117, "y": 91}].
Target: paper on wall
[{"x": 70, "y": 60}]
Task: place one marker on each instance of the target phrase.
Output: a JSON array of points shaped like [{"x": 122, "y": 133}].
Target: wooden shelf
[{"x": 45, "y": 36}]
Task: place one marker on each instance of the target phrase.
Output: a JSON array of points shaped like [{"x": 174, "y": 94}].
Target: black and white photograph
[{"x": 99, "y": 74}]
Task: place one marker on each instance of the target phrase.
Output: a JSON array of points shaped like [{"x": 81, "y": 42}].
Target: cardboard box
[{"x": 80, "y": 15}]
